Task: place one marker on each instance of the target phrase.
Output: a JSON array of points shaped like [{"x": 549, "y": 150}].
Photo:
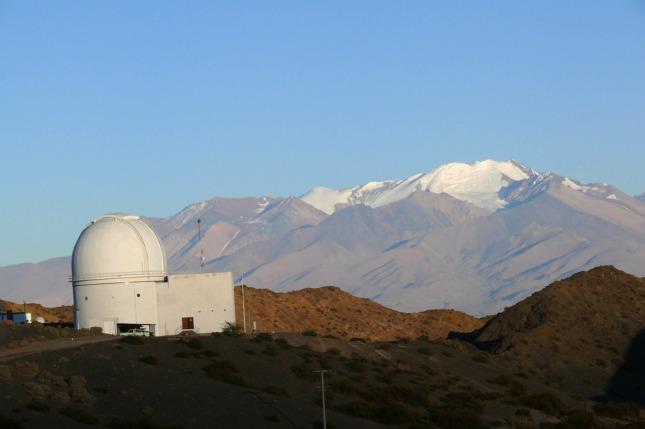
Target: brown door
[{"x": 187, "y": 323}]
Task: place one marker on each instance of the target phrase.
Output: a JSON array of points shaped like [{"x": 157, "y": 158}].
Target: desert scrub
[
  {"x": 333, "y": 351},
  {"x": 354, "y": 365},
  {"x": 8, "y": 422},
  {"x": 481, "y": 358},
  {"x": 304, "y": 371},
  {"x": 463, "y": 401},
  {"x": 79, "y": 414},
  {"x": 194, "y": 343},
  {"x": 231, "y": 330},
  {"x": 386, "y": 413},
  {"x": 269, "y": 350},
  {"x": 144, "y": 423},
  {"x": 344, "y": 387},
  {"x": 275, "y": 390},
  {"x": 226, "y": 371},
  {"x": 149, "y": 360},
  {"x": 450, "y": 418},
  {"x": 309, "y": 333},
  {"x": 262, "y": 336},
  {"x": 424, "y": 351},
  {"x": 132, "y": 340},
  {"x": 618, "y": 410},
  {"x": 38, "y": 406},
  {"x": 284, "y": 344},
  {"x": 546, "y": 402},
  {"x": 578, "y": 420}
]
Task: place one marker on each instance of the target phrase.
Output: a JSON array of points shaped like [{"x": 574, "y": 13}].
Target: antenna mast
[{"x": 201, "y": 248}]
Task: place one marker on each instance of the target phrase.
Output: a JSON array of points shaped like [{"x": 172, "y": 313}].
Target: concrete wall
[
  {"x": 207, "y": 298},
  {"x": 105, "y": 305}
]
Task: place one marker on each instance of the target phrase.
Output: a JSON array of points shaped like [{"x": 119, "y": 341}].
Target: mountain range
[{"x": 473, "y": 237}]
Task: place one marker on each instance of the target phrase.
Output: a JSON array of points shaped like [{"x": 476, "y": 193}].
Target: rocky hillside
[
  {"x": 52, "y": 315},
  {"x": 584, "y": 333},
  {"x": 331, "y": 311}
]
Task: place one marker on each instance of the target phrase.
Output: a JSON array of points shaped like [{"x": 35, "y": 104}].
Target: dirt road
[{"x": 43, "y": 346}]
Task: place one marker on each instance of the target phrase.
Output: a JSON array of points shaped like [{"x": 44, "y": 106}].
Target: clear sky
[{"x": 147, "y": 106}]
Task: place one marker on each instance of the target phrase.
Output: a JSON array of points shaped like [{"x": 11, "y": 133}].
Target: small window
[
  {"x": 187, "y": 323},
  {"x": 138, "y": 295}
]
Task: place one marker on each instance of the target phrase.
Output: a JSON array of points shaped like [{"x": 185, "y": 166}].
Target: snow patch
[{"x": 477, "y": 183}]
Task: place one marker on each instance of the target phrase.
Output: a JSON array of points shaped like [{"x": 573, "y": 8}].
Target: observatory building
[{"x": 121, "y": 283}]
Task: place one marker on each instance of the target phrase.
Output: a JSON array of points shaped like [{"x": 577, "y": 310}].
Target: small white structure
[
  {"x": 121, "y": 283},
  {"x": 19, "y": 317}
]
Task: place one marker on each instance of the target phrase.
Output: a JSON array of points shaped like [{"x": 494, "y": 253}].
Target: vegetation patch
[
  {"x": 578, "y": 420},
  {"x": 546, "y": 402},
  {"x": 226, "y": 371},
  {"x": 79, "y": 414},
  {"x": 38, "y": 406},
  {"x": 144, "y": 423},
  {"x": 194, "y": 343},
  {"x": 149, "y": 360},
  {"x": 618, "y": 410},
  {"x": 132, "y": 340},
  {"x": 231, "y": 330}
]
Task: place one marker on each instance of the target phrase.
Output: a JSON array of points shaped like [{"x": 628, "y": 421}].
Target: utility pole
[
  {"x": 243, "y": 306},
  {"x": 201, "y": 250},
  {"x": 322, "y": 391}
]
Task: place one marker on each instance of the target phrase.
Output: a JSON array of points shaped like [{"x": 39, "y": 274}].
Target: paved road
[{"x": 59, "y": 344}]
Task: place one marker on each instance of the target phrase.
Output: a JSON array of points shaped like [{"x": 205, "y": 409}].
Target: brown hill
[
  {"x": 326, "y": 310},
  {"x": 584, "y": 333},
  {"x": 53, "y": 315},
  {"x": 331, "y": 311}
]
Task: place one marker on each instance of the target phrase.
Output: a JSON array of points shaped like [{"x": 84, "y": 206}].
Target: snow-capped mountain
[
  {"x": 472, "y": 237},
  {"x": 480, "y": 183}
]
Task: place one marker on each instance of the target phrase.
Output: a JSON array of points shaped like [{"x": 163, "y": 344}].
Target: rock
[
  {"x": 37, "y": 389},
  {"x": 62, "y": 397},
  {"x": 27, "y": 369},
  {"x": 77, "y": 381},
  {"x": 79, "y": 390},
  {"x": 5, "y": 372},
  {"x": 50, "y": 379}
]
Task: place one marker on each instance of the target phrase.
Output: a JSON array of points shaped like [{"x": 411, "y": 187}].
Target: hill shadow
[{"x": 628, "y": 382}]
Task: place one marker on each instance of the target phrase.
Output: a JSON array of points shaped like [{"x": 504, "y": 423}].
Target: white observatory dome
[{"x": 118, "y": 248}]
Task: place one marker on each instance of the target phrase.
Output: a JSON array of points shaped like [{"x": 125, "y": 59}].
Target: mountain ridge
[{"x": 425, "y": 250}]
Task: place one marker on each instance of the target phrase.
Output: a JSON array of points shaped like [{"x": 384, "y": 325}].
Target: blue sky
[{"x": 145, "y": 107}]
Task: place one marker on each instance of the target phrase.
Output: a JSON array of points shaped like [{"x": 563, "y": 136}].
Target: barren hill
[
  {"x": 331, "y": 311},
  {"x": 53, "y": 314},
  {"x": 588, "y": 327},
  {"x": 326, "y": 310}
]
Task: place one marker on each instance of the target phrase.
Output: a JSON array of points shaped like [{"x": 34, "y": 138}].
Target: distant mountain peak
[{"x": 479, "y": 183}]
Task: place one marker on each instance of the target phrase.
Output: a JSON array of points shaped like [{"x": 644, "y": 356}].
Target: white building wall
[
  {"x": 207, "y": 298},
  {"x": 105, "y": 305}
]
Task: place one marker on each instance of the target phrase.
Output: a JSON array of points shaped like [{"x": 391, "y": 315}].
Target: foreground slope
[
  {"x": 551, "y": 361},
  {"x": 584, "y": 334}
]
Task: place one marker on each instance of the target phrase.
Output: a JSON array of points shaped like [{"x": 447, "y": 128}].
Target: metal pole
[
  {"x": 322, "y": 390},
  {"x": 243, "y": 306},
  {"x": 201, "y": 250}
]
